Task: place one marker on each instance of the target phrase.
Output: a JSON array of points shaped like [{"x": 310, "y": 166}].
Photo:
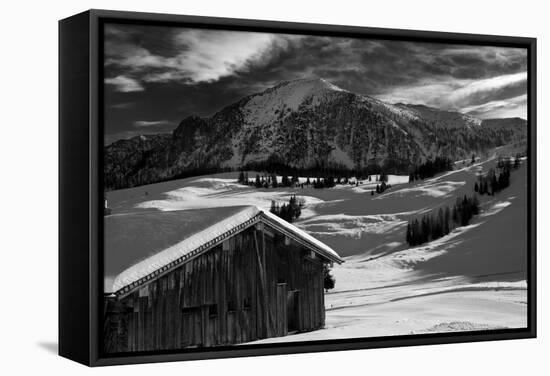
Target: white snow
[
  {"x": 217, "y": 192},
  {"x": 412, "y": 256},
  {"x": 366, "y": 186},
  {"x": 351, "y": 225},
  {"x": 449, "y": 311},
  {"x": 398, "y": 179},
  {"x": 437, "y": 189},
  {"x": 384, "y": 287},
  {"x": 302, "y": 234},
  {"x": 496, "y": 208}
]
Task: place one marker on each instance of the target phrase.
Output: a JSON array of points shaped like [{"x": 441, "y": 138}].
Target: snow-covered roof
[{"x": 141, "y": 246}]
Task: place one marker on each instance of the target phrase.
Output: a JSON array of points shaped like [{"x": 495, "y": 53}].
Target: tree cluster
[
  {"x": 270, "y": 181},
  {"x": 434, "y": 226},
  {"x": 430, "y": 168},
  {"x": 243, "y": 177},
  {"x": 325, "y": 182},
  {"x": 278, "y": 166},
  {"x": 290, "y": 211},
  {"x": 380, "y": 188},
  {"x": 493, "y": 183}
]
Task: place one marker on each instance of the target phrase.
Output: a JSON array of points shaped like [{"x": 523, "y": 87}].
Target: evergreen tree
[
  {"x": 447, "y": 221},
  {"x": 328, "y": 279},
  {"x": 475, "y": 205},
  {"x": 318, "y": 183},
  {"x": 417, "y": 239},
  {"x": 273, "y": 208},
  {"x": 431, "y": 168},
  {"x": 258, "y": 182},
  {"x": 494, "y": 184},
  {"x": 285, "y": 182},
  {"x": 424, "y": 230},
  {"x": 439, "y": 224},
  {"x": 455, "y": 215},
  {"x": 434, "y": 226}
]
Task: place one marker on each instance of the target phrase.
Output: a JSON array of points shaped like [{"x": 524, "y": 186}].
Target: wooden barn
[{"x": 209, "y": 277}]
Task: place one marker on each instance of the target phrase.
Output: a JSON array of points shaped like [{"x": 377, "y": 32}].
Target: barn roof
[{"x": 140, "y": 246}]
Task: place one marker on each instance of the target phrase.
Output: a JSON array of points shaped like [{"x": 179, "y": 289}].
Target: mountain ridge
[{"x": 305, "y": 124}]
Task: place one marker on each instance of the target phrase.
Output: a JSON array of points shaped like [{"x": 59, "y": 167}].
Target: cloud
[
  {"x": 124, "y": 84},
  {"x": 493, "y": 88},
  {"x": 513, "y": 107},
  {"x": 154, "y": 123},
  {"x": 462, "y": 95},
  {"x": 194, "y": 55}
]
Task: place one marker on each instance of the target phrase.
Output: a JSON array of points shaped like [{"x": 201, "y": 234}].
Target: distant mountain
[
  {"x": 508, "y": 123},
  {"x": 305, "y": 124},
  {"x": 441, "y": 118}
]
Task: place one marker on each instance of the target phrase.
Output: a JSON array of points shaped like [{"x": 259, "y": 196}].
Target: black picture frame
[{"x": 81, "y": 194}]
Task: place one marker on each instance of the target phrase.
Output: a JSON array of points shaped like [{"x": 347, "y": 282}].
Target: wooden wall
[{"x": 258, "y": 284}]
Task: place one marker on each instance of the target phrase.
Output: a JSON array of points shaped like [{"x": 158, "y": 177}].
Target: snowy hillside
[{"x": 472, "y": 279}]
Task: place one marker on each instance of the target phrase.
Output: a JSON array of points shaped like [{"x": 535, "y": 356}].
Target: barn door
[
  {"x": 292, "y": 300},
  {"x": 191, "y": 327}
]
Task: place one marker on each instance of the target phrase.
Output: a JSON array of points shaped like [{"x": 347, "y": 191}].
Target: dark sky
[{"x": 156, "y": 76}]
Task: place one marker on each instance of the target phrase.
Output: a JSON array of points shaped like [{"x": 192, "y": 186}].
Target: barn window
[
  {"x": 246, "y": 303},
  {"x": 213, "y": 310},
  {"x": 231, "y": 307}
]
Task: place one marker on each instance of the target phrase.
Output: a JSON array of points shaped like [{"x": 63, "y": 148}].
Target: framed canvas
[{"x": 237, "y": 187}]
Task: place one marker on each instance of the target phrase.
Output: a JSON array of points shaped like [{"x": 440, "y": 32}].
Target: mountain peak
[
  {"x": 286, "y": 96},
  {"x": 311, "y": 83}
]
